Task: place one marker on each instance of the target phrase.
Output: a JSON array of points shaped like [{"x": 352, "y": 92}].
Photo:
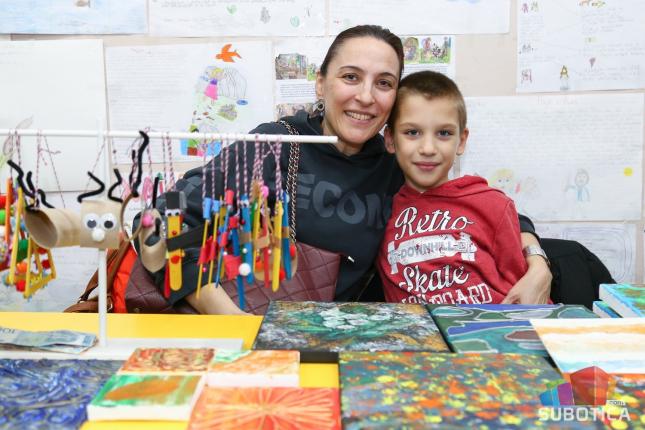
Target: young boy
[{"x": 447, "y": 241}]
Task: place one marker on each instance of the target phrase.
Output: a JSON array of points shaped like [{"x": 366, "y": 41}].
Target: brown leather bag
[
  {"x": 315, "y": 280},
  {"x": 141, "y": 294}
]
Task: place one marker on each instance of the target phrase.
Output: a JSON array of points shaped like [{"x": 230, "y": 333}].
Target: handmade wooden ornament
[
  {"x": 175, "y": 205},
  {"x": 153, "y": 247},
  {"x": 99, "y": 224},
  {"x": 54, "y": 228},
  {"x": 21, "y": 273}
]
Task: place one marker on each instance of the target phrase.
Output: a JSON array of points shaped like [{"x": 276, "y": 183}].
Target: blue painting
[
  {"x": 499, "y": 328},
  {"x": 49, "y": 394}
]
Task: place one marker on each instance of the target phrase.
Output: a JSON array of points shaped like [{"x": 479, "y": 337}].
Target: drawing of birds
[{"x": 226, "y": 55}]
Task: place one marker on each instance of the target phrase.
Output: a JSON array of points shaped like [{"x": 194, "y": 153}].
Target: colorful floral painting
[
  {"x": 499, "y": 328},
  {"x": 616, "y": 345},
  {"x": 316, "y": 326},
  {"x": 255, "y": 408},
  {"x": 39, "y": 394},
  {"x": 168, "y": 360},
  {"x": 388, "y": 390}
]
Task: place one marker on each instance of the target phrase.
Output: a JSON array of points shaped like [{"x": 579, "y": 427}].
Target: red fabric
[
  {"x": 457, "y": 243},
  {"x": 121, "y": 279}
]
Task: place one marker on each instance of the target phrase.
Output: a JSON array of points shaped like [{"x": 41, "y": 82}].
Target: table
[{"x": 162, "y": 326}]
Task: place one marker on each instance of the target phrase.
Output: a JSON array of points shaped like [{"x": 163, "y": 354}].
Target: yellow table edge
[{"x": 163, "y": 326}]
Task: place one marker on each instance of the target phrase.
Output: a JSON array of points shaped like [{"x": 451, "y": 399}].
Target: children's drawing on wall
[
  {"x": 295, "y": 66},
  {"x": 264, "y": 15},
  {"x": 564, "y": 78},
  {"x": 578, "y": 189},
  {"x": 614, "y": 244},
  {"x": 523, "y": 191},
  {"x": 220, "y": 95},
  {"x": 427, "y": 49},
  {"x": 591, "y": 3}
]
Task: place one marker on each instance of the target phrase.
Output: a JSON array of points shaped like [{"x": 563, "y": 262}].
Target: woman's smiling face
[{"x": 359, "y": 91}]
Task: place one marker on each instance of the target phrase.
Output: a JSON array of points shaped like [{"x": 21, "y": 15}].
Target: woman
[{"x": 344, "y": 190}]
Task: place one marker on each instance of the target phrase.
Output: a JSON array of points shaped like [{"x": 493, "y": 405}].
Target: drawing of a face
[
  {"x": 582, "y": 178},
  {"x": 100, "y": 224}
]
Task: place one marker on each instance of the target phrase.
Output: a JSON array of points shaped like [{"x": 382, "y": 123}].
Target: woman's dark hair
[{"x": 375, "y": 31}]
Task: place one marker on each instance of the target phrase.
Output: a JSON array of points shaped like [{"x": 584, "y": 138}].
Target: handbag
[
  {"x": 141, "y": 294},
  {"x": 317, "y": 273}
]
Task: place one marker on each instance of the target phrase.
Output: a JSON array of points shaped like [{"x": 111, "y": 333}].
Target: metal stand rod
[{"x": 227, "y": 137}]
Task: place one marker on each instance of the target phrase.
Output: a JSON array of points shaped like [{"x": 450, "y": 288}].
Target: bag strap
[{"x": 292, "y": 176}]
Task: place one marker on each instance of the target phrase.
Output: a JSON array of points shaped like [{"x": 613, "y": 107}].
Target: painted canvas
[
  {"x": 319, "y": 330},
  {"x": 630, "y": 390},
  {"x": 284, "y": 408},
  {"x": 603, "y": 310},
  {"x": 384, "y": 390},
  {"x": 168, "y": 361},
  {"x": 38, "y": 394},
  {"x": 628, "y": 300},
  {"x": 616, "y": 345},
  {"x": 254, "y": 369},
  {"x": 146, "y": 397},
  {"x": 499, "y": 328}
]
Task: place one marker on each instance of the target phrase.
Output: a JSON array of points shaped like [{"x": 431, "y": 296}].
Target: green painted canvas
[
  {"x": 316, "y": 328},
  {"x": 499, "y": 328},
  {"x": 387, "y": 390},
  {"x": 145, "y": 397}
]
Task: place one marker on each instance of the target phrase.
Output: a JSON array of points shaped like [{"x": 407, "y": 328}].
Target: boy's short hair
[{"x": 430, "y": 85}]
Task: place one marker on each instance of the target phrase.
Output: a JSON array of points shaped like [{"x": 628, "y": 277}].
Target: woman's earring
[{"x": 319, "y": 108}]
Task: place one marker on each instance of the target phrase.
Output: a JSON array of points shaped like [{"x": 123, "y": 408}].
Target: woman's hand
[{"x": 535, "y": 286}]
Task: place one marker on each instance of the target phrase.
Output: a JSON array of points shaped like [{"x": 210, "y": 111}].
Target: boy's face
[{"x": 426, "y": 139}]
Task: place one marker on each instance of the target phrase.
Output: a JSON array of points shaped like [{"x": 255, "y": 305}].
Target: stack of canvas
[
  {"x": 603, "y": 310},
  {"x": 627, "y": 300},
  {"x": 499, "y": 328},
  {"x": 320, "y": 330}
]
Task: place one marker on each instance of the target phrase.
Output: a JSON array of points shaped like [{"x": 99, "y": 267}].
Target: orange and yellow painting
[{"x": 255, "y": 408}]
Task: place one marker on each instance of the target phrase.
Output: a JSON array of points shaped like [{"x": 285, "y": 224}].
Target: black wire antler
[
  {"x": 114, "y": 186},
  {"x": 139, "y": 159},
  {"x": 28, "y": 189},
  {"x": 92, "y": 193}
]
